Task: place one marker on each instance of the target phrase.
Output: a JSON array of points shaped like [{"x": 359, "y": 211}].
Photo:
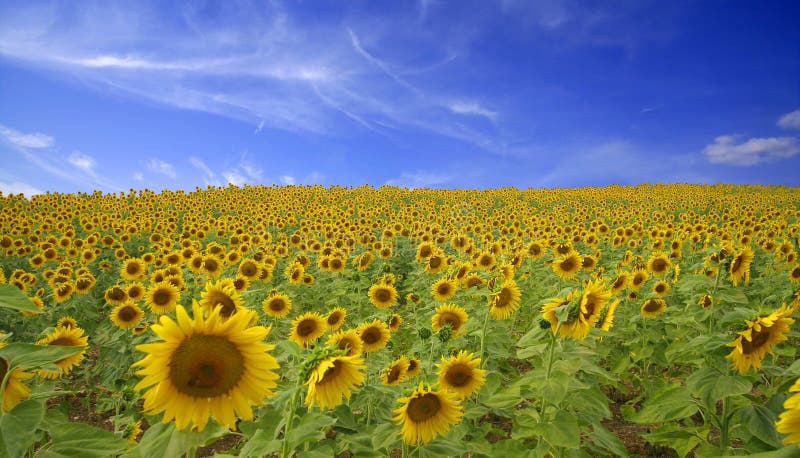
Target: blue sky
[{"x": 460, "y": 94}]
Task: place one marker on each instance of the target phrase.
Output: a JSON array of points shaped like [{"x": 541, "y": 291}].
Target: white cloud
[
  {"x": 82, "y": 161},
  {"x": 753, "y": 151},
  {"x": 161, "y": 167},
  {"x": 235, "y": 178},
  {"x": 287, "y": 180},
  {"x": 313, "y": 178},
  {"x": 419, "y": 179},
  {"x": 471, "y": 108},
  {"x": 790, "y": 120},
  {"x": 210, "y": 176},
  {"x": 260, "y": 127},
  {"x": 21, "y": 140},
  {"x": 250, "y": 169},
  {"x": 17, "y": 187},
  {"x": 138, "y": 176}
]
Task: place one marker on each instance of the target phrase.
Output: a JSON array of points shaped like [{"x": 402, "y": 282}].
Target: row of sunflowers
[{"x": 315, "y": 321}]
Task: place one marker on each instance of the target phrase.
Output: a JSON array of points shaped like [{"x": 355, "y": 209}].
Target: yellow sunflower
[
  {"x": 449, "y": 315},
  {"x": 639, "y": 278},
  {"x": 335, "y": 318},
  {"x": 427, "y": 413},
  {"x": 661, "y": 288},
  {"x": 127, "y": 315},
  {"x": 414, "y": 367},
  {"x": 505, "y": 300},
  {"x": 277, "y": 305},
  {"x": 443, "y": 289},
  {"x": 374, "y": 335},
  {"x": 395, "y": 372},
  {"x": 116, "y": 295},
  {"x": 740, "y": 266},
  {"x": 794, "y": 274},
  {"x": 332, "y": 379},
  {"x": 653, "y": 307},
  {"x": 162, "y": 297},
  {"x": 461, "y": 374},
  {"x": 620, "y": 283},
  {"x": 222, "y": 294},
  {"x": 15, "y": 390},
  {"x": 706, "y": 301},
  {"x": 307, "y": 328},
  {"x": 752, "y": 344},
  {"x": 133, "y": 269},
  {"x": 658, "y": 264},
  {"x": 607, "y": 321},
  {"x": 789, "y": 420},
  {"x": 206, "y": 366},
  {"x": 382, "y": 295},
  {"x": 346, "y": 340},
  {"x": 568, "y": 265},
  {"x": 65, "y": 337},
  {"x": 394, "y": 322}
]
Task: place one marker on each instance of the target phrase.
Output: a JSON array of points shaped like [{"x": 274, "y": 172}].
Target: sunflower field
[{"x": 653, "y": 320}]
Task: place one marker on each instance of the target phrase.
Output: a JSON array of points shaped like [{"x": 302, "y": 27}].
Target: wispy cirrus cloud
[
  {"x": 18, "y": 187},
  {"x": 82, "y": 161},
  {"x": 162, "y": 168},
  {"x": 790, "y": 120},
  {"x": 420, "y": 179},
  {"x": 19, "y": 139}
]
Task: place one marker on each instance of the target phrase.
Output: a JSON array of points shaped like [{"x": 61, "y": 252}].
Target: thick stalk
[
  {"x": 483, "y": 337},
  {"x": 285, "y": 452}
]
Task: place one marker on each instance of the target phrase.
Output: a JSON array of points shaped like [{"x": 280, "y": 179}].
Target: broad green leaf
[
  {"x": 671, "y": 402},
  {"x": 79, "y": 440},
  {"x": 442, "y": 447},
  {"x": 165, "y": 441},
  {"x": 561, "y": 432},
  {"x": 711, "y": 386},
  {"x": 18, "y": 428},
  {"x": 607, "y": 441},
  {"x": 11, "y": 297},
  {"x": 384, "y": 435},
  {"x": 30, "y": 356},
  {"x": 262, "y": 443},
  {"x": 310, "y": 427},
  {"x": 682, "y": 440},
  {"x": 760, "y": 421}
]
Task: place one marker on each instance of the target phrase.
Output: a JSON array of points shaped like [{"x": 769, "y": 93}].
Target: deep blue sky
[{"x": 459, "y": 94}]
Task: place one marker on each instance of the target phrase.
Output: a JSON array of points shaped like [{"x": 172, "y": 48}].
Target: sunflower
[
  {"x": 394, "y": 322},
  {"x": 449, "y": 315},
  {"x": 661, "y": 288},
  {"x": 414, "y": 367},
  {"x": 640, "y": 276},
  {"x": 789, "y": 420},
  {"x": 127, "y": 315},
  {"x": 485, "y": 261},
  {"x": 65, "y": 337},
  {"x": 223, "y": 294},
  {"x": 332, "y": 379},
  {"x": 66, "y": 322},
  {"x": 307, "y": 328},
  {"x": 620, "y": 283},
  {"x": 427, "y": 413},
  {"x": 756, "y": 341},
  {"x": 382, "y": 295},
  {"x": 740, "y": 266},
  {"x": 116, "y": 295},
  {"x": 443, "y": 289},
  {"x": 15, "y": 390},
  {"x": 249, "y": 269},
  {"x": 294, "y": 272},
  {"x": 162, "y": 297},
  {"x": 133, "y": 431},
  {"x": 706, "y": 301},
  {"x": 346, "y": 340},
  {"x": 568, "y": 265},
  {"x": 84, "y": 283},
  {"x": 653, "y": 307},
  {"x": 374, "y": 335},
  {"x": 607, "y": 321},
  {"x": 335, "y": 318},
  {"x": 206, "y": 366},
  {"x": 395, "y": 372},
  {"x": 471, "y": 281},
  {"x": 794, "y": 274},
  {"x": 505, "y": 300},
  {"x": 133, "y": 269},
  {"x": 461, "y": 374},
  {"x": 277, "y": 305},
  {"x": 435, "y": 263},
  {"x": 658, "y": 264},
  {"x": 135, "y": 291}
]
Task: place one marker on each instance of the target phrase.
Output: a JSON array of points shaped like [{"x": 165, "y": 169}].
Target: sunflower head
[
  {"x": 461, "y": 374},
  {"x": 335, "y": 318},
  {"x": 307, "y": 328},
  {"x": 504, "y": 300},
  {"x": 374, "y": 335},
  {"x": 127, "y": 315},
  {"x": 65, "y": 337},
  {"x": 443, "y": 289},
  {"x": 223, "y": 294},
  {"x": 382, "y": 295},
  {"x": 331, "y": 377},
  {"x": 395, "y": 372},
  {"x": 653, "y": 307},
  {"x": 162, "y": 297},
  {"x": 757, "y": 339},
  {"x": 449, "y": 315},
  {"x": 349, "y": 341},
  {"x": 427, "y": 413}
]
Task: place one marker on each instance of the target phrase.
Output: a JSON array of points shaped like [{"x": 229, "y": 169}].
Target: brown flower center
[
  {"x": 458, "y": 375},
  {"x": 206, "y": 366},
  {"x": 423, "y": 407}
]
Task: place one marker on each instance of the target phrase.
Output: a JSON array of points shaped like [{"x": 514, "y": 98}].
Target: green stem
[
  {"x": 483, "y": 336},
  {"x": 3, "y": 386},
  {"x": 713, "y": 298},
  {"x": 549, "y": 366},
  {"x": 724, "y": 426},
  {"x": 285, "y": 452}
]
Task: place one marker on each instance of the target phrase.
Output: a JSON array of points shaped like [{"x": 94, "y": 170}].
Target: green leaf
[
  {"x": 711, "y": 386},
  {"x": 262, "y": 443},
  {"x": 442, "y": 447},
  {"x": 80, "y": 440},
  {"x": 18, "y": 428},
  {"x": 384, "y": 435},
  {"x": 607, "y": 441},
  {"x": 30, "y": 356},
  {"x": 561, "y": 432},
  {"x": 164, "y": 440},
  {"x": 671, "y": 402},
  {"x": 309, "y": 428},
  {"x": 760, "y": 421},
  {"x": 682, "y": 440},
  {"x": 12, "y": 298}
]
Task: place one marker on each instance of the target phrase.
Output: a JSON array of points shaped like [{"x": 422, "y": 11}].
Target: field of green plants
[{"x": 655, "y": 320}]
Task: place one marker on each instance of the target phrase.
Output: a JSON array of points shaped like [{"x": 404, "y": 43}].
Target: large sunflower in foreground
[
  {"x": 505, "y": 300},
  {"x": 427, "y": 413},
  {"x": 584, "y": 312},
  {"x": 15, "y": 391},
  {"x": 206, "y": 366},
  {"x": 752, "y": 344},
  {"x": 789, "y": 421},
  {"x": 65, "y": 337},
  {"x": 461, "y": 374},
  {"x": 333, "y": 378}
]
